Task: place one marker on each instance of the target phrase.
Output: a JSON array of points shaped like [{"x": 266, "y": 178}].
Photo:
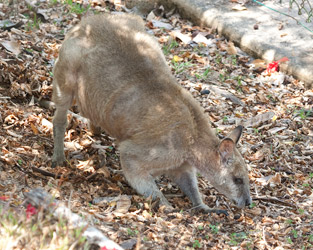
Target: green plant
[
  {"x": 301, "y": 211},
  {"x": 180, "y": 67},
  {"x": 214, "y": 228},
  {"x": 196, "y": 244},
  {"x": 252, "y": 205},
  {"x": 77, "y": 8},
  {"x": 168, "y": 47},
  {"x": 294, "y": 233},
  {"x": 225, "y": 119},
  {"x": 132, "y": 232},
  {"x": 271, "y": 98},
  {"x": 204, "y": 74},
  {"x": 239, "y": 83},
  {"x": 53, "y": 2},
  {"x": 303, "y": 113},
  {"x": 289, "y": 240},
  {"x": 218, "y": 58},
  {"x": 222, "y": 77},
  {"x": 235, "y": 238},
  {"x": 234, "y": 60},
  {"x": 255, "y": 130},
  {"x": 289, "y": 221},
  {"x": 32, "y": 23}
]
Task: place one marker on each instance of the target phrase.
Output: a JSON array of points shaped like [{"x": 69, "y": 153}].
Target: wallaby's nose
[{"x": 248, "y": 202}]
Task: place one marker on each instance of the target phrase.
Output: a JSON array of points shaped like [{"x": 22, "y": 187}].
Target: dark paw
[
  {"x": 56, "y": 163},
  {"x": 205, "y": 209}
]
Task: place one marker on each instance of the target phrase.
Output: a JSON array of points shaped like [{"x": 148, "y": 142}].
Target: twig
[
  {"x": 275, "y": 200},
  {"x": 45, "y": 173}
]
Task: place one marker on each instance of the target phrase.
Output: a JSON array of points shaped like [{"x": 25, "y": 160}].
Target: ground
[{"x": 275, "y": 109}]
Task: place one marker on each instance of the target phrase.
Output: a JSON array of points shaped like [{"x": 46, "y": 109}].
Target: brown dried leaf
[
  {"x": 123, "y": 204},
  {"x": 12, "y": 46}
]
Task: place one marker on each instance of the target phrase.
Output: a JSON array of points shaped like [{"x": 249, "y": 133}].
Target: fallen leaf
[
  {"x": 259, "y": 63},
  {"x": 231, "y": 49},
  {"x": 12, "y": 46},
  {"x": 177, "y": 58},
  {"x": 47, "y": 124},
  {"x": 258, "y": 156},
  {"x": 239, "y": 7},
  {"x": 104, "y": 170},
  {"x": 33, "y": 127},
  {"x": 159, "y": 24},
  {"x": 199, "y": 38},
  {"x": 257, "y": 120},
  {"x": 276, "y": 129},
  {"x": 264, "y": 180},
  {"x": 122, "y": 204},
  {"x": 184, "y": 38}
]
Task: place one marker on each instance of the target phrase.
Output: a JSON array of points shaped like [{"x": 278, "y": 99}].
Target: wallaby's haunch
[{"x": 119, "y": 78}]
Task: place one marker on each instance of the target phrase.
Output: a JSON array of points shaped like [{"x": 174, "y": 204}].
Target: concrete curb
[{"x": 267, "y": 42}]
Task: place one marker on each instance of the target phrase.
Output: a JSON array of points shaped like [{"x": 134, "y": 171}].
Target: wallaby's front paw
[
  {"x": 58, "y": 160},
  {"x": 205, "y": 209}
]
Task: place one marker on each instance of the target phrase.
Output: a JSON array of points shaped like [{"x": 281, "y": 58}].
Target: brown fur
[{"x": 118, "y": 76}]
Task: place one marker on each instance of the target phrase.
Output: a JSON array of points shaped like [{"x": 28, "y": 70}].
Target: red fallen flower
[
  {"x": 4, "y": 198},
  {"x": 30, "y": 211},
  {"x": 105, "y": 248},
  {"x": 274, "y": 66}
]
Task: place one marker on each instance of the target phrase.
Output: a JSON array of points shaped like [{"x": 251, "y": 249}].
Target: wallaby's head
[{"x": 229, "y": 172}]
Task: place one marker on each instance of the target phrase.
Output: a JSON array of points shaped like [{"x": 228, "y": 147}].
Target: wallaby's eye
[{"x": 238, "y": 181}]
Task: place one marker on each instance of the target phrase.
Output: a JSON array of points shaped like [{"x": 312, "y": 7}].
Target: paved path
[{"x": 277, "y": 36}]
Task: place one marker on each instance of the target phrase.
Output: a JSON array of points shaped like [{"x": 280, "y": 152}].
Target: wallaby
[{"x": 119, "y": 78}]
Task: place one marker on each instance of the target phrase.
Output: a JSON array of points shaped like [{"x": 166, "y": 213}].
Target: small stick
[
  {"x": 274, "y": 200},
  {"x": 45, "y": 173}
]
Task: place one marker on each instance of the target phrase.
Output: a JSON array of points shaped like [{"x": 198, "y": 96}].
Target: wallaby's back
[{"x": 119, "y": 74}]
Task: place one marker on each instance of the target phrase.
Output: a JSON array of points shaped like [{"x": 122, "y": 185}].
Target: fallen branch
[
  {"x": 275, "y": 200},
  {"x": 41, "y": 199},
  {"x": 46, "y": 173}
]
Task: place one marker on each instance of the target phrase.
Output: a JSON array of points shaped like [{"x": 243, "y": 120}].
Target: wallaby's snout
[
  {"x": 243, "y": 201},
  {"x": 248, "y": 201}
]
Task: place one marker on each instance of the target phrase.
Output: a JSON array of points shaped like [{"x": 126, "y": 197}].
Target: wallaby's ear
[
  {"x": 226, "y": 149},
  {"x": 235, "y": 134}
]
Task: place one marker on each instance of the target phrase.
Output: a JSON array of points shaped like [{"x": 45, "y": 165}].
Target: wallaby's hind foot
[
  {"x": 58, "y": 160},
  {"x": 94, "y": 129}
]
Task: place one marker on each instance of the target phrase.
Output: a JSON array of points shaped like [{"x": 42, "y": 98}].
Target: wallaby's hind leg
[
  {"x": 140, "y": 180},
  {"x": 63, "y": 102},
  {"x": 94, "y": 129}
]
